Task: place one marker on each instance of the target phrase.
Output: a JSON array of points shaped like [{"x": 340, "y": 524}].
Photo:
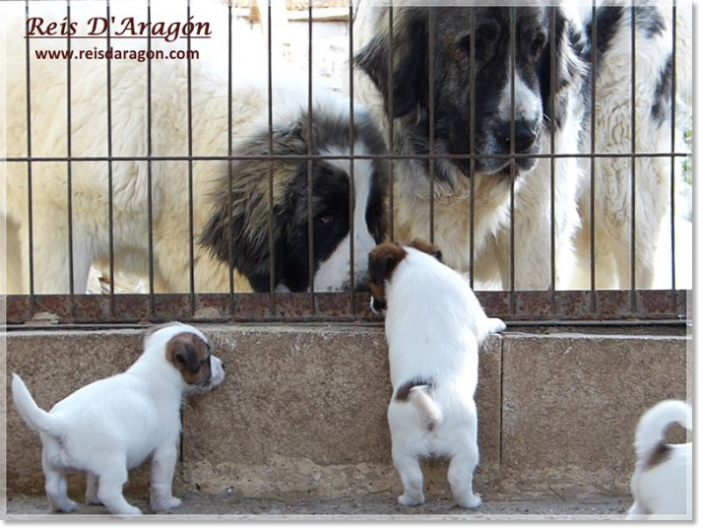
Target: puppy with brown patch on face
[
  {"x": 112, "y": 425},
  {"x": 662, "y": 482},
  {"x": 434, "y": 326}
]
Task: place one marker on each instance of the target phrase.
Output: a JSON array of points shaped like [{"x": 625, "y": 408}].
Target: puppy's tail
[
  {"x": 35, "y": 417},
  {"x": 428, "y": 408},
  {"x": 653, "y": 424}
]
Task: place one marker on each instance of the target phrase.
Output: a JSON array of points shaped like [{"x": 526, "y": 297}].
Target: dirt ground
[{"x": 378, "y": 506}]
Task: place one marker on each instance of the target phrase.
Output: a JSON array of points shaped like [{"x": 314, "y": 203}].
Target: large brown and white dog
[
  {"x": 662, "y": 484},
  {"x": 264, "y": 211},
  {"x": 434, "y": 326},
  {"x": 112, "y": 425},
  {"x": 446, "y": 129}
]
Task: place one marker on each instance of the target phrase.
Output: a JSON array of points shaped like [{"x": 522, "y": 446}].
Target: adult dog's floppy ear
[
  {"x": 408, "y": 50},
  {"x": 246, "y": 219}
]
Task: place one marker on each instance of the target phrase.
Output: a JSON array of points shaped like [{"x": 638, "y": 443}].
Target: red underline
[{"x": 105, "y": 37}]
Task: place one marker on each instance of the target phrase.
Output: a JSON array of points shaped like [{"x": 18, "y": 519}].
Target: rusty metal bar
[
  {"x": 430, "y": 75},
  {"x": 552, "y": 161},
  {"x": 230, "y": 250},
  {"x": 110, "y": 187},
  {"x": 633, "y": 178},
  {"x": 472, "y": 146},
  {"x": 69, "y": 174},
  {"x": 191, "y": 232},
  {"x": 654, "y": 306},
  {"x": 592, "y": 206},
  {"x": 352, "y": 184},
  {"x": 310, "y": 140},
  {"x": 271, "y": 242},
  {"x": 391, "y": 143},
  {"x": 673, "y": 149},
  {"x": 513, "y": 47},
  {"x": 30, "y": 215},
  {"x": 149, "y": 174}
]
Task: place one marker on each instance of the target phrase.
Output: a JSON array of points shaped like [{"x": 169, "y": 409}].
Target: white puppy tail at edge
[
  {"x": 428, "y": 408},
  {"x": 34, "y": 416},
  {"x": 653, "y": 424}
]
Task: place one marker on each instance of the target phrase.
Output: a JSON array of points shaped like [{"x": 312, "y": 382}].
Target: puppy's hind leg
[
  {"x": 163, "y": 465},
  {"x": 56, "y": 487},
  {"x": 408, "y": 467},
  {"x": 110, "y": 483},
  {"x": 91, "y": 490},
  {"x": 461, "y": 476}
]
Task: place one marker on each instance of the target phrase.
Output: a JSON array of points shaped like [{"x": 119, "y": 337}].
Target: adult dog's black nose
[{"x": 526, "y": 134}]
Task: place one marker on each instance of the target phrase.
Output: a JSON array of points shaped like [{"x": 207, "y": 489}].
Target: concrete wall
[{"x": 303, "y": 409}]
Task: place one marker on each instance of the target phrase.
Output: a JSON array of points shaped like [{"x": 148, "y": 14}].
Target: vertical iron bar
[
  {"x": 30, "y": 214},
  {"x": 190, "y": 174},
  {"x": 391, "y": 143},
  {"x": 352, "y": 191},
  {"x": 673, "y": 158},
  {"x": 513, "y": 48},
  {"x": 69, "y": 175},
  {"x": 311, "y": 235},
  {"x": 472, "y": 149},
  {"x": 272, "y": 250},
  {"x": 149, "y": 174},
  {"x": 633, "y": 183},
  {"x": 430, "y": 70},
  {"x": 230, "y": 251},
  {"x": 110, "y": 206},
  {"x": 592, "y": 213},
  {"x": 552, "y": 160}
]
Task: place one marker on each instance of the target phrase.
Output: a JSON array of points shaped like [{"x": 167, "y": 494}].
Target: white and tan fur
[
  {"x": 663, "y": 479},
  {"x": 112, "y": 425},
  {"x": 434, "y": 326}
]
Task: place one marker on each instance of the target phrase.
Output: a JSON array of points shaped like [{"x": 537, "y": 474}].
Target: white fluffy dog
[
  {"x": 114, "y": 424},
  {"x": 434, "y": 326},
  {"x": 662, "y": 482}
]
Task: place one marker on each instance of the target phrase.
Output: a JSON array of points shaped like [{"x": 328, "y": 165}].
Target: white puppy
[
  {"x": 662, "y": 482},
  {"x": 115, "y": 424},
  {"x": 434, "y": 326}
]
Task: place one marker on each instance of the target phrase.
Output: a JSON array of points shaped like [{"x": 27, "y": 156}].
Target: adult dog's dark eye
[
  {"x": 326, "y": 219},
  {"x": 537, "y": 45}
]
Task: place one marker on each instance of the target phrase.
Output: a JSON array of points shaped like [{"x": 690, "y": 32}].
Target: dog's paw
[
  {"x": 68, "y": 506},
  {"x": 495, "y": 325},
  {"x": 166, "y": 505},
  {"x": 92, "y": 499},
  {"x": 472, "y": 501},
  {"x": 409, "y": 501}
]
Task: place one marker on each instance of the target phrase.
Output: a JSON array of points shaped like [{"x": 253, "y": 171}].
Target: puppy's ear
[
  {"x": 408, "y": 49},
  {"x": 183, "y": 355},
  {"x": 240, "y": 229},
  {"x": 382, "y": 262},
  {"x": 428, "y": 248}
]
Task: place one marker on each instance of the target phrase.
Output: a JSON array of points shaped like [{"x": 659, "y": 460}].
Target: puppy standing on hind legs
[
  {"x": 115, "y": 424},
  {"x": 434, "y": 326}
]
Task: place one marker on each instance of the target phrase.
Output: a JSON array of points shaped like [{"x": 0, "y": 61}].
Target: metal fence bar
[
  {"x": 69, "y": 174},
  {"x": 592, "y": 205},
  {"x": 272, "y": 262},
  {"x": 513, "y": 48},
  {"x": 673, "y": 149},
  {"x": 414, "y": 156},
  {"x": 311, "y": 233},
  {"x": 230, "y": 251},
  {"x": 30, "y": 215},
  {"x": 633, "y": 181},
  {"x": 552, "y": 161},
  {"x": 352, "y": 185},
  {"x": 431, "y": 95},
  {"x": 110, "y": 198},
  {"x": 391, "y": 143},
  {"x": 472, "y": 146},
  {"x": 191, "y": 233},
  {"x": 149, "y": 169}
]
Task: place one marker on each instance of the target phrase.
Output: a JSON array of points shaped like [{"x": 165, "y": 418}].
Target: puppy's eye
[{"x": 326, "y": 218}]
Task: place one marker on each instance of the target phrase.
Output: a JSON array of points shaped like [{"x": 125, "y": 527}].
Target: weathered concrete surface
[
  {"x": 571, "y": 405},
  {"x": 303, "y": 409}
]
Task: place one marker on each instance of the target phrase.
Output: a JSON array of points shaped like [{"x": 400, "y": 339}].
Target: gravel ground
[{"x": 379, "y": 506}]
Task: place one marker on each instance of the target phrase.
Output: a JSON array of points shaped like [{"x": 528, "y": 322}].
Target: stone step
[{"x": 303, "y": 410}]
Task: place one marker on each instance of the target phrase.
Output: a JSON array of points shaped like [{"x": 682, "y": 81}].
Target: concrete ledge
[{"x": 303, "y": 411}]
